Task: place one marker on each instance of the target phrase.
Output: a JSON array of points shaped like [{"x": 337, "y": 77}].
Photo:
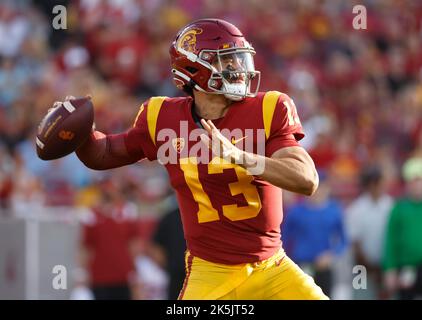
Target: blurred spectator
[
  {"x": 367, "y": 219},
  {"x": 6, "y": 181},
  {"x": 403, "y": 250},
  {"x": 168, "y": 250},
  {"x": 109, "y": 246},
  {"x": 355, "y": 91},
  {"x": 152, "y": 280},
  {"x": 14, "y": 28},
  {"x": 358, "y": 92},
  {"x": 313, "y": 235},
  {"x": 28, "y": 194}
]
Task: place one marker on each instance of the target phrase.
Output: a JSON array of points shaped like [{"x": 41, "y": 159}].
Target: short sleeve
[
  {"x": 286, "y": 129},
  {"x": 137, "y": 139}
]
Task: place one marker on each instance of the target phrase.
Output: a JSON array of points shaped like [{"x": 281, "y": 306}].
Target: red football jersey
[{"x": 228, "y": 215}]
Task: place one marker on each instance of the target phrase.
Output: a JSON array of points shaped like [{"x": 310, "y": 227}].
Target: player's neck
[{"x": 211, "y": 106}]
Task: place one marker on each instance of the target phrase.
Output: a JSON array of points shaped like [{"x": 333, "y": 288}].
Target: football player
[{"x": 231, "y": 212}]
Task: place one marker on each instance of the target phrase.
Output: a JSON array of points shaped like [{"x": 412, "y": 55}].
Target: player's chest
[{"x": 179, "y": 137}]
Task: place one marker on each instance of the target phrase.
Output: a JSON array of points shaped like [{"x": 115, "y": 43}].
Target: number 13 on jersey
[{"x": 243, "y": 185}]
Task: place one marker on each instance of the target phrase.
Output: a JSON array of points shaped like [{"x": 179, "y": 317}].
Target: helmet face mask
[
  {"x": 219, "y": 55},
  {"x": 233, "y": 71}
]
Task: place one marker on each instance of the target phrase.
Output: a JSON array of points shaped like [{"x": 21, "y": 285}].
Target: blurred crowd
[{"x": 358, "y": 92}]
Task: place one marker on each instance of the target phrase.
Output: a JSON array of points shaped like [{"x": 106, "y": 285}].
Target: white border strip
[
  {"x": 39, "y": 143},
  {"x": 68, "y": 106}
]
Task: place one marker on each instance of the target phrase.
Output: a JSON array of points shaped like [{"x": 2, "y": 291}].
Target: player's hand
[
  {"x": 64, "y": 128},
  {"x": 67, "y": 98},
  {"x": 219, "y": 144}
]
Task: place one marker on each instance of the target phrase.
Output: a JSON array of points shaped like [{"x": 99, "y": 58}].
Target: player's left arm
[
  {"x": 286, "y": 164},
  {"x": 289, "y": 168}
]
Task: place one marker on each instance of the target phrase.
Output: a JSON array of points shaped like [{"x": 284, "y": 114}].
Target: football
[{"x": 64, "y": 128}]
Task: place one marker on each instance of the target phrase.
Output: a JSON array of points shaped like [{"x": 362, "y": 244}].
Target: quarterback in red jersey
[{"x": 229, "y": 192}]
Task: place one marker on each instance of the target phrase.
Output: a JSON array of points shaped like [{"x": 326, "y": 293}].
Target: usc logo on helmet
[{"x": 187, "y": 41}]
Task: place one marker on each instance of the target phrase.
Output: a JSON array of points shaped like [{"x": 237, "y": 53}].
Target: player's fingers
[
  {"x": 205, "y": 139},
  {"x": 216, "y": 137},
  {"x": 89, "y": 96},
  {"x": 226, "y": 153},
  {"x": 55, "y": 105},
  {"x": 214, "y": 130},
  {"x": 212, "y": 126},
  {"x": 218, "y": 140},
  {"x": 218, "y": 144},
  {"x": 69, "y": 98},
  {"x": 206, "y": 126},
  {"x": 227, "y": 145},
  {"x": 212, "y": 142}
]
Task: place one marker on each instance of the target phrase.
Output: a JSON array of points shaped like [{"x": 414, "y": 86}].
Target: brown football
[{"x": 64, "y": 128}]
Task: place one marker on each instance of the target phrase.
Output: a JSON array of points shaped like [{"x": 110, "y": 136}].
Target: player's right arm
[
  {"x": 101, "y": 151},
  {"x": 106, "y": 151}
]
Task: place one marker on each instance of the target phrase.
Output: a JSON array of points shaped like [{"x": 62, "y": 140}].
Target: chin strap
[{"x": 188, "y": 79}]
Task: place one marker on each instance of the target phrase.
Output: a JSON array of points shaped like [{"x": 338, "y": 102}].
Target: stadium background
[{"x": 358, "y": 93}]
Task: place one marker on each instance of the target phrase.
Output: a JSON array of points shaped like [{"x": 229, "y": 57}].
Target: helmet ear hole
[{"x": 191, "y": 70}]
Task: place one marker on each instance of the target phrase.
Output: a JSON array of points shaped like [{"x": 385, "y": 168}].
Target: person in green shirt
[{"x": 402, "y": 258}]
